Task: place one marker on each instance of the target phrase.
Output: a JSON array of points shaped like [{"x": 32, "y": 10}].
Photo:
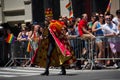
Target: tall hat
[{"x": 48, "y": 12}]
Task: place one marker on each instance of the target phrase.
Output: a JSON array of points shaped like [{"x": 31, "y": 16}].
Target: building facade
[
  {"x": 15, "y": 11},
  {"x": 19, "y": 11}
]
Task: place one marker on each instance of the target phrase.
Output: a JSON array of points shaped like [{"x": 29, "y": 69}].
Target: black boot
[
  {"x": 63, "y": 71},
  {"x": 47, "y": 68},
  {"x": 50, "y": 50},
  {"x": 46, "y": 73}
]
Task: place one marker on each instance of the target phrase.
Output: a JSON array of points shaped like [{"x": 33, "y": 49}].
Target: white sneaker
[{"x": 115, "y": 65}]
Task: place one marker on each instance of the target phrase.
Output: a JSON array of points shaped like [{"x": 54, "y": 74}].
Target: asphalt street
[{"x": 30, "y": 73}]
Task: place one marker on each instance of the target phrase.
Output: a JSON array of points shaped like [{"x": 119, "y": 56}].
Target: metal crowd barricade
[
  {"x": 110, "y": 45},
  {"x": 19, "y": 53},
  {"x": 78, "y": 44}
]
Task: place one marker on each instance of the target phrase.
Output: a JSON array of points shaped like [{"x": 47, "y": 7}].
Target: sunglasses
[{"x": 108, "y": 19}]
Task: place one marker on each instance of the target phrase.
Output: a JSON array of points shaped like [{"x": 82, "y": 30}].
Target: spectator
[
  {"x": 85, "y": 34},
  {"x": 82, "y": 28},
  {"x": 97, "y": 29},
  {"x": 34, "y": 37},
  {"x": 76, "y": 26},
  {"x": 23, "y": 40},
  {"x": 94, "y": 18},
  {"x": 111, "y": 30},
  {"x": 116, "y": 19},
  {"x": 23, "y": 35}
]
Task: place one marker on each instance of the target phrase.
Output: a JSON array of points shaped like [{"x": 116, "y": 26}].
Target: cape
[{"x": 62, "y": 53}]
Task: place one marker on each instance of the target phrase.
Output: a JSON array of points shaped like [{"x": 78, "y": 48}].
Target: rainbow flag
[
  {"x": 69, "y": 7},
  {"x": 29, "y": 47},
  {"x": 108, "y": 7},
  {"x": 71, "y": 13},
  {"x": 10, "y": 38}
]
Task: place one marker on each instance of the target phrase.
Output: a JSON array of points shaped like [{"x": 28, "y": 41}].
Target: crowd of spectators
[{"x": 105, "y": 25}]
